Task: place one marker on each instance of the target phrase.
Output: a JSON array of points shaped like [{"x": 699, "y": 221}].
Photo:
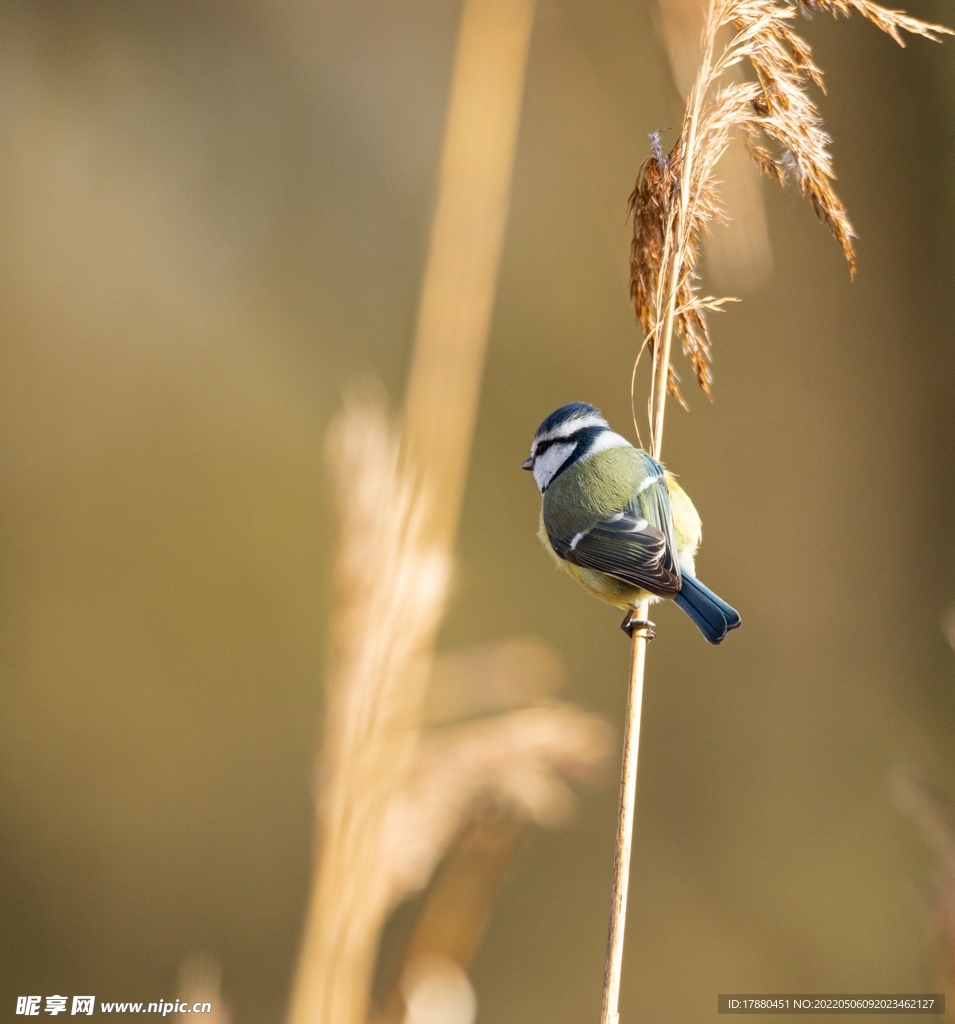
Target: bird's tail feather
[{"x": 712, "y": 614}]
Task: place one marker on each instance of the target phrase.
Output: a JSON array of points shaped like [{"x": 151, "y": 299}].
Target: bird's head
[{"x": 569, "y": 434}]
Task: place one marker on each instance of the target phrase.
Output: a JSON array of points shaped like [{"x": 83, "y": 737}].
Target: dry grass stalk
[
  {"x": 613, "y": 966},
  {"x": 673, "y": 204},
  {"x": 467, "y": 234},
  {"x": 676, "y": 198},
  {"x": 391, "y": 586}
]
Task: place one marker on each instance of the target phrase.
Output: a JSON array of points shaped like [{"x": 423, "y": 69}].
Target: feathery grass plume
[
  {"x": 391, "y": 585},
  {"x": 676, "y": 197},
  {"x": 739, "y": 256},
  {"x": 490, "y": 678}
]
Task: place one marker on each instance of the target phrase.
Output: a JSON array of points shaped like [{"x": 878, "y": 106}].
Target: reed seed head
[{"x": 676, "y": 198}]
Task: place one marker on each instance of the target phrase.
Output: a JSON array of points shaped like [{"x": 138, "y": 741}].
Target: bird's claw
[{"x": 642, "y": 627}]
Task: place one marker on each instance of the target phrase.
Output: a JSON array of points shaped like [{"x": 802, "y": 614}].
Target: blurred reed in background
[
  {"x": 392, "y": 800},
  {"x": 200, "y": 981}
]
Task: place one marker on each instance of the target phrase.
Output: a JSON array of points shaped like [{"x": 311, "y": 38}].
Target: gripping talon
[{"x": 631, "y": 624}]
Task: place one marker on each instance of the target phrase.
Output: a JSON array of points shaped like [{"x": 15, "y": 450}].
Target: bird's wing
[
  {"x": 628, "y": 547},
  {"x": 652, "y": 502}
]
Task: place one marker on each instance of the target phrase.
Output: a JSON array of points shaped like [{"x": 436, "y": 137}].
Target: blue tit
[{"x": 617, "y": 521}]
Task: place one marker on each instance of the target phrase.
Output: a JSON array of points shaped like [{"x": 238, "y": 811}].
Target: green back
[{"x": 593, "y": 489}]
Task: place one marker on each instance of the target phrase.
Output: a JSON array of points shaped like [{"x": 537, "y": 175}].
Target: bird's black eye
[{"x": 541, "y": 448}]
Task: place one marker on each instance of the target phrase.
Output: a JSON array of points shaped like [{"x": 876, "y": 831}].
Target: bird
[{"x": 618, "y": 522}]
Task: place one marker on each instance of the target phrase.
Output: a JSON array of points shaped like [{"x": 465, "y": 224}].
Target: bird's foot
[{"x": 642, "y": 627}]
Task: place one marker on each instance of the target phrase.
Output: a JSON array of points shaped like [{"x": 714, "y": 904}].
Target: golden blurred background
[{"x": 213, "y": 219}]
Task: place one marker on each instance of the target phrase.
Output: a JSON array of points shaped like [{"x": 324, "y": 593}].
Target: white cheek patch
[
  {"x": 605, "y": 440},
  {"x": 547, "y": 464}
]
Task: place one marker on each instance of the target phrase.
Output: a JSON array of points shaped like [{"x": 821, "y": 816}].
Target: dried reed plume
[
  {"x": 739, "y": 256},
  {"x": 676, "y": 198},
  {"x": 391, "y": 586}
]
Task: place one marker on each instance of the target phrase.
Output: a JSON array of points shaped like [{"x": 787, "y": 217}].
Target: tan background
[{"x": 212, "y": 218}]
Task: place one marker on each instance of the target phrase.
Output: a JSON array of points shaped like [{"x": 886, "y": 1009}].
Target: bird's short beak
[{"x": 528, "y": 463}]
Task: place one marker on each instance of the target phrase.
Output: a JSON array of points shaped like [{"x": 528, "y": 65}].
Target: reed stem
[
  {"x": 628, "y": 793},
  {"x": 631, "y": 736}
]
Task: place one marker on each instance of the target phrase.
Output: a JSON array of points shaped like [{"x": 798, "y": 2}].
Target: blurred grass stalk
[
  {"x": 200, "y": 981},
  {"x": 467, "y": 235},
  {"x": 390, "y": 590},
  {"x": 399, "y": 505}
]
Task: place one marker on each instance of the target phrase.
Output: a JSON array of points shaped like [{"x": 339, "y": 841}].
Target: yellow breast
[{"x": 687, "y": 528}]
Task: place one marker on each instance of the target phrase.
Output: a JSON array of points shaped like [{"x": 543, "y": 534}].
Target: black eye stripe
[{"x": 570, "y": 439}]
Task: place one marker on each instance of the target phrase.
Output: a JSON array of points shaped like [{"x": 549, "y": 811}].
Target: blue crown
[{"x": 567, "y": 413}]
